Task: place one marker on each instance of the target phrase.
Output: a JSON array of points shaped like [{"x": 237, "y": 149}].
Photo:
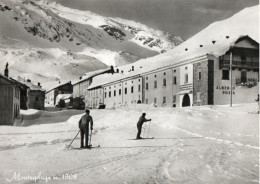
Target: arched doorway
[{"x": 186, "y": 100}]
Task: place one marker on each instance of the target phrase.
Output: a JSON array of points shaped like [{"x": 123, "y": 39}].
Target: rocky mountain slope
[{"x": 46, "y": 41}]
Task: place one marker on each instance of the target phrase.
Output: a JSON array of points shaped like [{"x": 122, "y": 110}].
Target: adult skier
[
  {"x": 142, "y": 119},
  {"x": 84, "y": 122}
]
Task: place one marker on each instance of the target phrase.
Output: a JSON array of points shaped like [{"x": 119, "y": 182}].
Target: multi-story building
[
  {"x": 50, "y": 95},
  {"x": 115, "y": 90},
  {"x": 80, "y": 92},
  {"x": 202, "y": 76},
  {"x": 9, "y": 100},
  {"x": 35, "y": 94}
]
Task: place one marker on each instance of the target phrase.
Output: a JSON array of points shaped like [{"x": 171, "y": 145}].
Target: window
[
  {"x": 146, "y": 101},
  {"x": 105, "y": 94},
  {"x": 174, "y": 99},
  {"x": 132, "y": 89},
  {"x": 155, "y": 84},
  {"x": 146, "y": 86},
  {"x": 154, "y": 76},
  {"x": 146, "y": 78},
  {"x": 164, "y": 99},
  {"x": 119, "y": 91},
  {"x": 155, "y": 100},
  {"x": 164, "y": 82},
  {"x": 164, "y": 73},
  {"x": 139, "y": 88},
  {"x": 243, "y": 76},
  {"x": 225, "y": 74},
  {"x": 125, "y": 90},
  {"x": 109, "y": 94},
  {"x": 174, "y": 71},
  {"x": 186, "y": 78},
  {"x": 199, "y": 75},
  {"x": 114, "y": 92},
  {"x": 174, "y": 80},
  {"x": 186, "y": 68}
]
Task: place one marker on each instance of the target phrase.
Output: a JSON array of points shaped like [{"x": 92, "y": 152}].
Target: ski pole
[
  {"x": 73, "y": 139},
  {"x": 149, "y": 128}
]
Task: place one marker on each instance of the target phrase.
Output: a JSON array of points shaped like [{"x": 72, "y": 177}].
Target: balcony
[
  {"x": 239, "y": 64},
  {"x": 248, "y": 82}
]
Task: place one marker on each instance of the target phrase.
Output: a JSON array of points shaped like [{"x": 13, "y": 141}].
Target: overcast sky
[{"x": 179, "y": 17}]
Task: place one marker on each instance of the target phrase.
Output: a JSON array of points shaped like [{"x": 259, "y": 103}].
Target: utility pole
[{"x": 231, "y": 91}]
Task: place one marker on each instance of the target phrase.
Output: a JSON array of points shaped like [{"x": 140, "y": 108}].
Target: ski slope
[{"x": 210, "y": 144}]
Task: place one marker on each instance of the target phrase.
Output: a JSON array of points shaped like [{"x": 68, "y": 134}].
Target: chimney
[
  {"x": 59, "y": 82},
  {"x": 6, "y": 70},
  {"x": 213, "y": 41},
  {"x": 122, "y": 71},
  {"x": 112, "y": 70},
  {"x": 186, "y": 49},
  {"x": 227, "y": 37},
  {"x": 133, "y": 68},
  {"x": 28, "y": 80},
  {"x": 201, "y": 45},
  {"x": 117, "y": 70},
  {"x": 39, "y": 84},
  {"x": 80, "y": 77}
]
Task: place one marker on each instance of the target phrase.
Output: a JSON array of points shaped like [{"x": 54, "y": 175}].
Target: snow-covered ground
[{"x": 210, "y": 144}]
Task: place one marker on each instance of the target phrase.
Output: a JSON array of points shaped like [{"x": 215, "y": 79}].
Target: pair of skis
[{"x": 90, "y": 145}]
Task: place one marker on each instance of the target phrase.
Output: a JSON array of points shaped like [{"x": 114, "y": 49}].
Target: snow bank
[{"x": 212, "y": 143}]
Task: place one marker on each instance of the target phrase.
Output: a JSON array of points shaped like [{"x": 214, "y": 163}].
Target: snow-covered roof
[
  {"x": 105, "y": 79},
  {"x": 92, "y": 74},
  {"x": 64, "y": 96},
  {"x": 60, "y": 84},
  {"x": 28, "y": 83},
  {"x": 171, "y": 58},
  {"x": 6, "y": 78}
]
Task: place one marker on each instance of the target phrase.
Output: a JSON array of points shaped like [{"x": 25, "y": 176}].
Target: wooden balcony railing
[{"x": 249, "y": 65}]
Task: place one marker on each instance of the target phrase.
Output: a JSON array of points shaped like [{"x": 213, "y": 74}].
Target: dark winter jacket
[
  {"x": 141, "y": 121},
  {"x": 85, "y": 120}
]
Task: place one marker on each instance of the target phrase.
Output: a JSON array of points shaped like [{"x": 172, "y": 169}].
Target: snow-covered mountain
[
  {"x": 214, "y": 39},
  {"x": 41, "y": 40}
]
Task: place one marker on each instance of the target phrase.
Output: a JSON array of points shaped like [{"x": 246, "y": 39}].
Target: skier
[
  {"x": 142, "y": 119},
  {"x": 84, "y": 128}
]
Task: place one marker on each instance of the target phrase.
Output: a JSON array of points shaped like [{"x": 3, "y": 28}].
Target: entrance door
[
  {"x": 243, "y": 77},
  {"x": 186, "y": 100}
]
